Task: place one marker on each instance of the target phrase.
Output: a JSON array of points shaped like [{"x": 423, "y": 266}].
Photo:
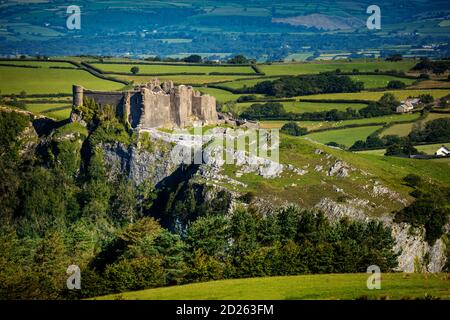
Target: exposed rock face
[
  {"x": 140, "y": 164},
  {"x": 155, "y": 105},
  {"x": 336, "y": 211},
  {"x": 339, "y": 169},
  {"x": 416, "y": 252},
  {"x": 416, "y": 255}
]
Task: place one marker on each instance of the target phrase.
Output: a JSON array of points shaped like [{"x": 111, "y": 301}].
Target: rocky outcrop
[
  {"x": 139, "y": 164},
  {"x": 153, "y": 161},
  {"x": 416, "y": 255}
]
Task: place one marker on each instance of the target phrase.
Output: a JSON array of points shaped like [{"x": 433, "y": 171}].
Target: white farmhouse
[{"x": 443, "y": 151}]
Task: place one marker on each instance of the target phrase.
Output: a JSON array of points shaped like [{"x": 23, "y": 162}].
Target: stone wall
[{"x": 155, "y": 105}]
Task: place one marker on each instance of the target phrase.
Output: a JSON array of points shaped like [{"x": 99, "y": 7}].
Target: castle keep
[{"x": 155, "y": 105}]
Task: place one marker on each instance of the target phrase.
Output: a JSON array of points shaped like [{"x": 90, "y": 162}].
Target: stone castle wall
[{"x": 155, "y": 105}]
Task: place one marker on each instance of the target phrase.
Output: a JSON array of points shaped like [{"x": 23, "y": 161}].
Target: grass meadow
[
  {"x": 164, "y": 69},
  {"x": 303, "y": 287},
  {"x": 314, "y": 125},
  {"x": 346, "y": 137},
  {"x": 376, "y": 95},
  {"x": 276, "y": 69},
  {"x": 49, "y": 81}
]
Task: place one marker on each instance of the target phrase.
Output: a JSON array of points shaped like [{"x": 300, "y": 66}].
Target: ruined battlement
[{"x": 155, "y": 104}]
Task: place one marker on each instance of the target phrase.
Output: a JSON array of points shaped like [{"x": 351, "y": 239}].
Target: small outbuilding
[{"x": 443, "y": 152}]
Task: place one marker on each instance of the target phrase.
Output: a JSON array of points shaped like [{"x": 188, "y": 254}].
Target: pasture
[
  {"x": 376, "y": 95},
  {"x": 429, "y": 149},
  {"x": 315, "y": 125},
  {"x": 381, "y": 81},
  {"x": 239, "y": 84},
  {"x": 40, "y": 64},
  {"x": 276, "y": 69},
  {"x": 54, "y": 110},
  {"x": 302, "y": 106},
  {"x": 220, "y": 95},
  {"x": 345, "y": 137},
  {"x": 182, "y": 79},
  {"x": 403, "y": 129},
  {"x": 49, "y": 81},
  {"x": 303, "y": 287},
  {"x": 165, "y": 69}
]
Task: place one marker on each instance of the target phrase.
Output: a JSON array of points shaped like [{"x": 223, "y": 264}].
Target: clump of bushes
[{"x": 293, "y": 129}]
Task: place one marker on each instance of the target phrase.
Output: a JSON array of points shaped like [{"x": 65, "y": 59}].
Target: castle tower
[{"x": 77, "y": 92}]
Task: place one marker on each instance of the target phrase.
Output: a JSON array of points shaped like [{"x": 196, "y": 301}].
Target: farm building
[
  {"x": 407, "y": 106},
  {"x": 443, "y": 151}
]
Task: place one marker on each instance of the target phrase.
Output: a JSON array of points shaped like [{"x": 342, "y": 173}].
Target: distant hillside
[{"x": 321, "y": 22}]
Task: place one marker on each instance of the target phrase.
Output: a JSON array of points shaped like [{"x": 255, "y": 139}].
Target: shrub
[
  {"x": 396, "y": 84},
  {"x": 412, "y": 180},
  {"x": 293, "y": 129},
  {"x": 134, "y": 70}
]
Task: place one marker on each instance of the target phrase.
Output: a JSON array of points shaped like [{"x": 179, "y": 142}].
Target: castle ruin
[{"x": 155, "y": 105}]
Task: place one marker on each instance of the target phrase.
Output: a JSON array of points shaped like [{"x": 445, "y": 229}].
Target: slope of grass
[
  {"x": 41, "y": 64},
  {"x": 314, "y": 125},
  {"x": 374, "y": 96},
  {"x": 182, "y": 79},
  {"x": 161, "y": 69},
  {"x": 303, "y": 106},
  {"x": 317, "y": 67},
  {"x": 238, "y": 84},
  {"x": 48, "y": 81},
  {"x": 310, "y": 188},
  {"x": 57, "y": 111},
  {"x": 370, "y": 81},
  {"x": 346, "y": 137},
  {"x": 429, "y": 149},
  {"x": 304, "y": 287},
  {"x": 381, "y": 81},
  {"x": 220, "y": 95},
  {"x": 403, "y": 129}
]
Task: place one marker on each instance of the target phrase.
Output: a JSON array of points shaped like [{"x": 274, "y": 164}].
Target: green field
[
  {"x": 59, "y": 114},
  {"x": 305, "y": 287},
  {"x": 182, "y": 79},
  {"x": 48, "y": 81},
  {"x": 164, "y": 69},
  {"x": 372, "y": 81},
  {"x": 314, "y": 125},
  {"x": 244, "y": 83},
  {"x": 302, "y": 107},
  {"x": 41, "y": 64},
  {"x": 346, "y": 137},
  {"x": 220, "y": 95},
  {"x": 317, "y": 67},
  {"x": 429, "y": 149},
  {"x": 404, "y": 129},
  {"x": 376, "y": 95},
  {"x": 53, "y": 110}
]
